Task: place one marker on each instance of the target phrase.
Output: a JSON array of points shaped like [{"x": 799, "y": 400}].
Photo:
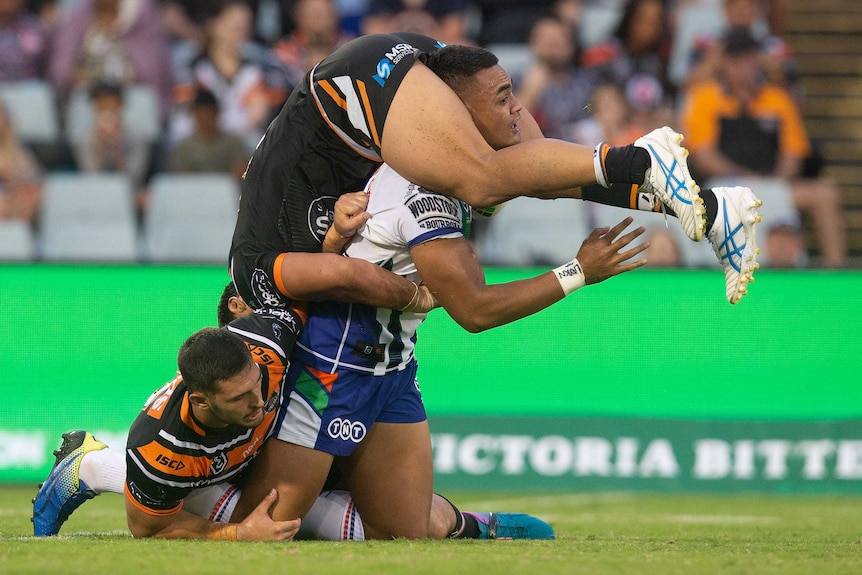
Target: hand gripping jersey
[
  {"x": 169, "y": 453},
  {"x": 376, "y": 340},
  {"x": 325, "y": 142}
]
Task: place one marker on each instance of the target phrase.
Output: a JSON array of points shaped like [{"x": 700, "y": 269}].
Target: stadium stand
[
  {"x": 530, "y": 232},
  {"x": 17, "y": 241},
  {"x": 190, "y": 218},
  {"x": 88, "y": 217}
]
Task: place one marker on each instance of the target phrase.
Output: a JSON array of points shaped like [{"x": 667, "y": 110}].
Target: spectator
[
  {"x": 119, "y": 41},
  {"x": 315, "y": 35},
  {"x": 247, "y": 81},
  {"x": 509, "y": 21},
  {"x": 739, "y": 125},
  {"x": 610, "y": 121},
  {"x": 23, "y": 43},
  {"x": 109, "y": 146},
  {"x": 777, "y": 61},
  {"x": 20, "y": 175},
  {"x": 209, "y": 149},
  {"x": 555, "y": 91},
  {"x": 663, "y": 250},
  {"x": 784, "y": 246},
  {"x": 443, "y": 20},
  {"x": 640, "y": 45}
]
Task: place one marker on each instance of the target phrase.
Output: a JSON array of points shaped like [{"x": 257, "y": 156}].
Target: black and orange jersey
[
  {"x": 324, "y": 142},
  {"x": 169, "y": 452}
]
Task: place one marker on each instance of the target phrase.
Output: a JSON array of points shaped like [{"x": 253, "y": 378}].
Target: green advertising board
[{"x": 646, "y": 373}]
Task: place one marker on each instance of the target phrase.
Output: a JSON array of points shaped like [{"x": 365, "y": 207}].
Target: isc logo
[{"x": 170, "y": 463}]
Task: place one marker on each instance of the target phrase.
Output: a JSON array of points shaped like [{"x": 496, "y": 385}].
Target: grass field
[{"x": 597, "y": 533}]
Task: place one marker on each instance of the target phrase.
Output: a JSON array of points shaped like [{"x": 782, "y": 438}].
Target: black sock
[
  {"x": 710, "y": 203},
  {"x": 471, "y": 526},
  {"x": 466, "y": 526},
  {"x": 627, "y": 164},
  {"x": 623, "y": 196}
]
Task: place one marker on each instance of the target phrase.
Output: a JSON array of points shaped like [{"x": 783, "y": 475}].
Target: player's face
[
  {"x": 238, "y": 400},
  {"x": 494, "y": 108}
]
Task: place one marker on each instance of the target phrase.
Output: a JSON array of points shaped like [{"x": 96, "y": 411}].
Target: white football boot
[
  {"x": 733, "y": 238},
  {"x": 668, "y": 177}
]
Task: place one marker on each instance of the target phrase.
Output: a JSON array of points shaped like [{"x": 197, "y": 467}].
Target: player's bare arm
[
  {"x": 329, "y": 276},
  {"x": 451, "y": 270},
  {"x": 258, "y": 526}
]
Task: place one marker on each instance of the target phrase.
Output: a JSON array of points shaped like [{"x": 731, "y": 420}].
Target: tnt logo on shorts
[{"x": 346, "y": 430}]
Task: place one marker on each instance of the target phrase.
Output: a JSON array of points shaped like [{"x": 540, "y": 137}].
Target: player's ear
[{"x": 199, "y": 400}]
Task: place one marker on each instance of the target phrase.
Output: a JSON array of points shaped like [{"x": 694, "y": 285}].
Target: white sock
[
  {"x": 104, "y": 470},
  {"x": 332, "y": 518},
  {"x": 214, "y": 503}
]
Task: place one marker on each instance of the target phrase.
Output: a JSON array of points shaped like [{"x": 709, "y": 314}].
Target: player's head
[
  {"x": 485, "y": 88},
  {"x": 230, "y": 306},
  {"x": 222, "y": 379}
]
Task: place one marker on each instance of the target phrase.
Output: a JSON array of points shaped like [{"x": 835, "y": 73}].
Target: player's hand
[
  {"x": 260, "y": 526},
  {"x": 350, "y": 214},
  {"x": 603, "y": 254},
  {"x": 423, "y": 302}
]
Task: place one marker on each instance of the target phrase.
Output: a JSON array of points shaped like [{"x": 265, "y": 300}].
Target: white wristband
[
  {"x": 571, "y": 276},
  {"x": 598, "y": 165}
]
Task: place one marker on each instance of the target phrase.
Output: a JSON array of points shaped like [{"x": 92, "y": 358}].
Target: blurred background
[{"x": 125, "y": 126}]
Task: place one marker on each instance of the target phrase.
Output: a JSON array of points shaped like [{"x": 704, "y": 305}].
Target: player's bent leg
[
  {"x": 391, "y": 479},
  {"x": 733, "y": 238},
  {"x": 297, "y": 473},
  {"x": 63, "y": 491}
]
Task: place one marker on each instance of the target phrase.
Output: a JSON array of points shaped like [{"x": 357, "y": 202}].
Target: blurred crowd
[{"x": 214, "y": 74}]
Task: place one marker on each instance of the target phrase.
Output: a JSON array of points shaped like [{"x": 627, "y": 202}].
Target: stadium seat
[
  {"x": 514, "y": 58},
  {"x": 140, "y": 113},
  {"x": 190, "y": 218},
  {"x": 695, "y": 21},
  {"x": 17, "y": 242},
  {"x": 33, "y": 110},
  {"x": 775, "y": 193},
  {"x": 88, "y": 217},
  {"x": 598, "y": 22},
  {"x": 528, "y": 231}
]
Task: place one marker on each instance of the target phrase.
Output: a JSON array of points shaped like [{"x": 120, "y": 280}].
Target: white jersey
[{"x": 378, "y": 340}]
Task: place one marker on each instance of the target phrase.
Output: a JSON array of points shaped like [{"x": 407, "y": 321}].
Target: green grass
[{"x": 597, "y": 533}]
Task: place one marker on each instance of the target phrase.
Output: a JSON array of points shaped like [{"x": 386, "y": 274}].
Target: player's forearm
[
  {"x": 491, "y": 306},
  {"x": 180, "y": 525},
  {"x": 319, "y": 277}
]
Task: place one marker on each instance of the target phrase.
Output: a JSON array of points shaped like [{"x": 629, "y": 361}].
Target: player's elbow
[{"x": 473, "y": 322}]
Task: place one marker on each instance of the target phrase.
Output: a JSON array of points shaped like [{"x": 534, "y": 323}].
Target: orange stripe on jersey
[
  {"x": 186, "y": 416},
  {"x": 174, "y": 464},
  {"x": 276, "y": 274},
  {"x": 353, "y": 145},
  {"x": 329, "y": 89},
  {"x": 325, "y": 379},
  {"x": 147, "y": 510},
  {"x": 366, "y": 103}
]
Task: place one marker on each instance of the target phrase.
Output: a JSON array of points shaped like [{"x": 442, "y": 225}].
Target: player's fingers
[
  {"x": 618, "y": 229},
  {"x": 629, "y": 237},
  {"x": 598, "y": 233},
  {"x": 265, "y": 505},
  {"x": 630, "y": 253}
]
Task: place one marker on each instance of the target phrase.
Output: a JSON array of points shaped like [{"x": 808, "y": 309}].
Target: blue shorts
[{"x": 333, "y": 412}]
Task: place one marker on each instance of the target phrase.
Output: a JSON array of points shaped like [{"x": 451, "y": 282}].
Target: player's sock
[
  {"x": 104, "y": 470},
  {"x": 214, "y": 502},
  {"x": 622, "y": 164},
  {"x": 333, "y": 517},
  {"x": 466, "y": 526},
  {"x": 710, "y": 203},
  {"x": 623, "y": 196}
]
